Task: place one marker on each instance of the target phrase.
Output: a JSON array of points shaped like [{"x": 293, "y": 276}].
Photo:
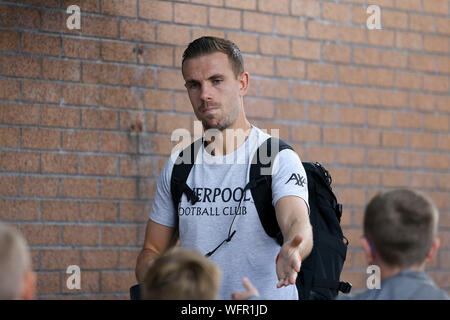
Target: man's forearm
[
  {"x": 302, "y": 228},
  {"x": 145, "y": 258}
]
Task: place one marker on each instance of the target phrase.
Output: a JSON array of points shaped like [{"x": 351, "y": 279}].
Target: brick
[
  {"x": 336, "y": 12},
  {"x": 291, "y": 68},
  {"x": 19, "y": 161},
  {"x": 117, "y": 143},
  {"x": 443, "y": 142},
  {"x": 380, "y": 78},
  {"x": 100, "y": 27},
  {"x": 259, "y": 22},
  {"x": 321, "y": 154},
  {"x": 117, "y": 281},
  {"x": 408, "y": 80},
  {"x": 409, "y": 40},
  {"x": 436, "y": 44},
  {"x": 19, "y": 66},
  {"x": 380, "y": 158},
  {"x": 98, "y": 211},
  {"x": 409, "y": 159},
  {"x": 118, "y": 51},
  {"x": 9, "y": 40},
  {"x": 259, "y": 108},
  {"x": 381, "y": 38},
  {"x": 351, "y": 75},
  {"x": 322, "y": 114},
  {"x": 19, "y": 210},
  {"x": 167, "y": 123},
  {"x": 443, "y": 26},
  {"x": 119, "y": 236},
  {"x": 155, "y": 10},
  {"x": 274, "y": 6},
  {"x": 170, "y": 79},
  {"x": 158, "y": 55},
  {"x": 9, "y": 137},
  {"x": 59, "y": 210},
  {"x": 306, "y": 92},
  {"x": 80, "y": 140},
  {"x": 247, "y": 43},
  {"x": 259, "y": 65},
  {"x": 275, "y": 88},
  {"x": 394, "y": 59},
  {"x": 40, "y": 139},
  {"x": 81, "y": 48},
  {"x": 48, "y": 282},
  {"x": 90, "y": 283},
  {"x": 85, "y": 5},
  {"x": 336, "y": 94},
  {"x": 443, "y": 65},
  {"x": 80, "y": 235},
  {"x": 157, "y": 144},
  {"x": 322, "y": 31},
  {"x": 100, "y": 73},
  {"x": 99, "y": 259},
  {"x": 59, "y": 259},
  {"x": 127, "y": 258},
  {"x": 422, "y": 140},
  {"x": 134, "y": 212},
  {"x": 79, "y": 188},
  {"x": 305, "y": 49},
  {"x": 308, "y": 8},
  {"x": 306, "y": 133},
  {"x": 391, "y": 98},
  {"x": 436, "y": 122},
  {"x": 437, "y": 162},
  {"x": 290, "y": 111},
  {"x": 11, "y": 16},
  {"x": 99, "y": 119},
  {"x": 366, "y": 137},
  {"x": 442, "y": 103},
  {"x": 9, "y": 89},
  {"x": 41, "y": 234},
  {"x": 336, "y": 135},
  {"x": 408, "y": 120},
  {"x": 59, "y": 163},
  {"x": 394, "y": 19},
  {"x": 363, "y": 96},
  {"x": 351, "y": 115},
  {"x": 290, "y": 26},
  {"x": 352, "y": 34},
  {"x": 118, "y": 189},
  {"x": 190, "y": 14},
  {"x": 81, "y": 95},
  {"x": 380, "y": 118},
  {"x": 421, "y": 23},
  {"x": 366, "y": 177},
  {"x": 119, "y": 8},
  {"x": 61, "y": 70},
  {"x": 137, "y": 30},
  {"x": 41, "y": 44},
  {"x": 173, "y": 34},
  {"x": 422, "y": 102},
  {"x": 351, "y": 156},
  {"x": 436, "y": 83},
  {"x": 394, "y": 139},
  {"x": 423, "y": 180},
  {"x": 422, "y": 62},
  {"x": 99, "y": 165},
  {"x": 320, "y": 72},
  {"x": 274, "y": 46},
  {"x": 143, "y": 166},
  {"x": 119, "y": 97},
  {"x": 137, "y": 76},
  {"x": 436, "y": 6},
  {"x": 41, "y": 91},
  {"x": 341, "y": 176},
  {"x": 336, "y": 53},
  {"x": 366, "y": 56},
  {"x": 244, "y": 5},
  {"x": 352, "y": 197},
  {"x": 443, "y": 181}
]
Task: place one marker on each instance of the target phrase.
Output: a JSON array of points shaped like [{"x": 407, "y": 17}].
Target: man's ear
[
  {"x": 433, "y": 250},
  {"x": 29, "y": 286},
  {"x": 243, "y": 83},
  {"x": 370, "y": 255}
]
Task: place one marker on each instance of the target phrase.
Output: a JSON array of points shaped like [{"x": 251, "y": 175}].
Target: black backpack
[{"x": 319, "y": 274}]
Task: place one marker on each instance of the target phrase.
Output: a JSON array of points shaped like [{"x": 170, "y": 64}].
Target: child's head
[
  {"x": 181, "y": 274},
  {"x": 400, "y": 226}
]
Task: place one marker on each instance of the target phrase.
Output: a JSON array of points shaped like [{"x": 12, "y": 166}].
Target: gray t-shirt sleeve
[
  {"x": 163, "y": 211},
  {"x": 289, "y": 177}
]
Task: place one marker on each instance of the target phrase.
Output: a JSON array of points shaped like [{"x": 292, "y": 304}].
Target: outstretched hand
[{"x": 289, "y": 262}]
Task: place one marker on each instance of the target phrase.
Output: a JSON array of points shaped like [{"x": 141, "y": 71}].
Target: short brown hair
[
  {"x": 207, "y": 45},
  {"x": 181, "y": 274},
  {"x": 402, "y": 225}
]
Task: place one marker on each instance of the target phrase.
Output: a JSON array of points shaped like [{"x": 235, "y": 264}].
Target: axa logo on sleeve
[{"x": 297, "y": 179}]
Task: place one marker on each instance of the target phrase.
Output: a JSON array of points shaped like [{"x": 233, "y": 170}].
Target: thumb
[{"x": 296, "y": 241}]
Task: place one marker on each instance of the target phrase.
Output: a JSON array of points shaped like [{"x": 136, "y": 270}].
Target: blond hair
[
  {"x": 15, "y": 262},
  {"x": 181, "y": 274}
]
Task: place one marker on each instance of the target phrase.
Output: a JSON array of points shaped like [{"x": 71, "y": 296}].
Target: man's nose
[{"x": 206, "y": 94}]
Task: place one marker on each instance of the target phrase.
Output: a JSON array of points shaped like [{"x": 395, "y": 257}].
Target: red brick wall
[{"x": 372, "y": 105}]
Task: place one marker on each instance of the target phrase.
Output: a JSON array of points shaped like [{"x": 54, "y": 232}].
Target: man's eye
[
  {"x": 217, "y": 81},
  {"x": 193, "y": 85}
]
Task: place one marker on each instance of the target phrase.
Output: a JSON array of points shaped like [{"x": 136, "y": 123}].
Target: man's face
[{"x": 213, "y": 89}]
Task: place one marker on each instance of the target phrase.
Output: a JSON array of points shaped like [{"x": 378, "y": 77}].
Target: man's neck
[
  {"x": 229, "y": 140},
  {"x": 389, "y": 271}
]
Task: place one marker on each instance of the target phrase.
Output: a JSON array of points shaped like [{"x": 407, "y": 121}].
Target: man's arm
[
  {"x": 158, "y": 238},
  {"x": 293, "y": 219}
]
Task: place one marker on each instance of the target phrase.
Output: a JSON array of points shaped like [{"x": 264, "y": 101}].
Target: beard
[{"x": 224, "y": 122}]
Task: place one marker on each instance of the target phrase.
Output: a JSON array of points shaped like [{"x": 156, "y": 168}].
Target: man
[
  {"x": 17, "y": 280},
  {"x": 216, "y": 82},
  {"x": 400, "y": 236},
  {"x": 181, "y": 274}
]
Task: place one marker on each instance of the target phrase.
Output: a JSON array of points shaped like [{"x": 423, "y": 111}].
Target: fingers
[{"x": 248, "y": 285}]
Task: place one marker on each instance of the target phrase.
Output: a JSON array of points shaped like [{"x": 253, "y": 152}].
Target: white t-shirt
[{"x": 219, "y": 181}]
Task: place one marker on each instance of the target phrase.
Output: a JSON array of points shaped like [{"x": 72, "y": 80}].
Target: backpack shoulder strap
[
  {"x": 181, "y": 169},
  {"x": 260, "y": 181}
]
